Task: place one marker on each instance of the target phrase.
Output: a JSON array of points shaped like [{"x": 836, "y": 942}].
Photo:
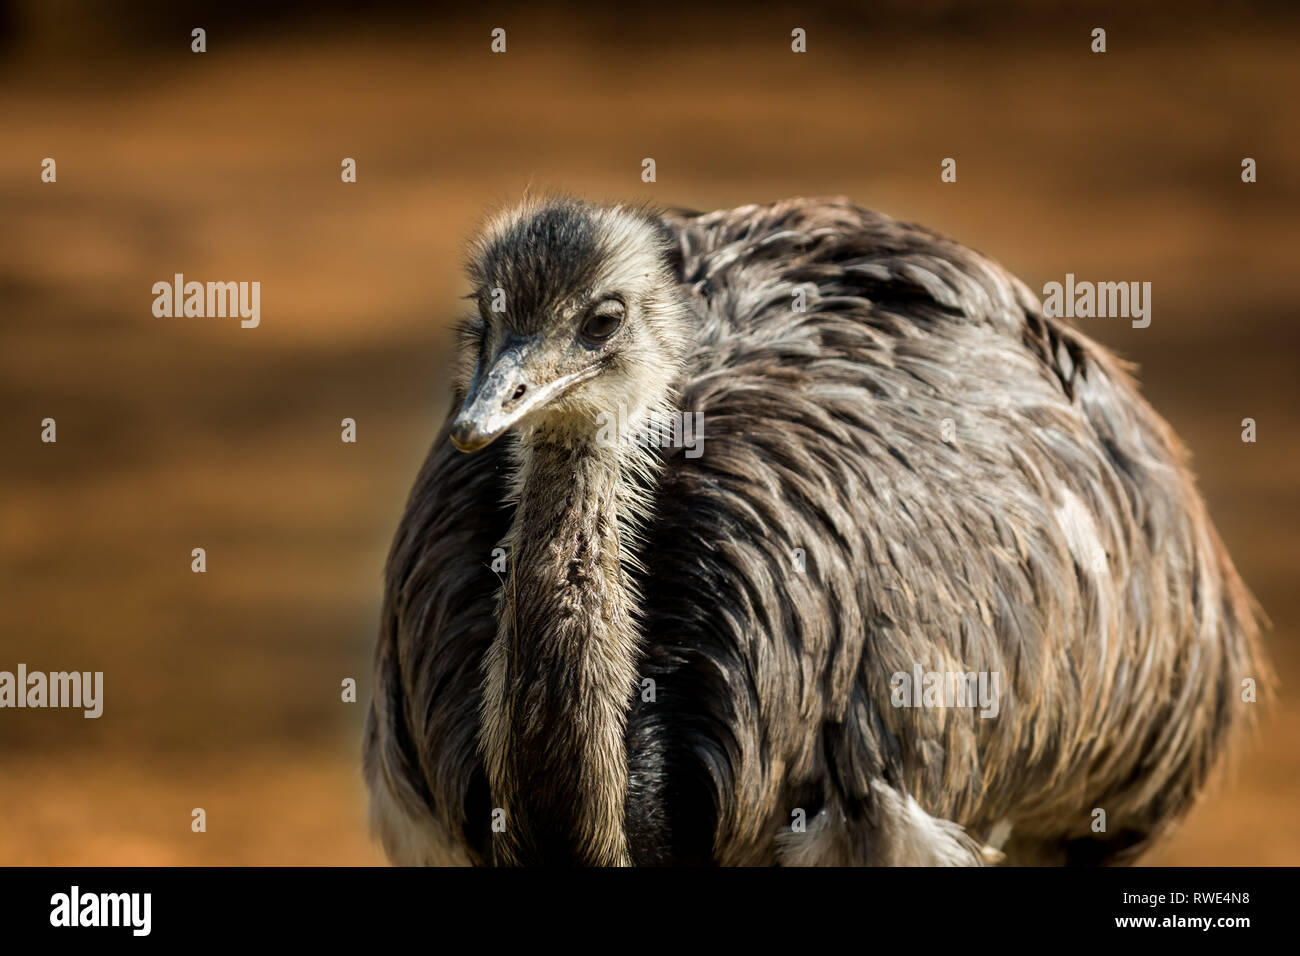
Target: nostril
[{"x": 519, "y": 393}]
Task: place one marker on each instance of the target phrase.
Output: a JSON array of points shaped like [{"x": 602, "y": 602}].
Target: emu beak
[{"x": 502, "y": 396}]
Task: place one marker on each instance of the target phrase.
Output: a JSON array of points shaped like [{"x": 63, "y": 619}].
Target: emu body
[{"x": 918, "y": 472}]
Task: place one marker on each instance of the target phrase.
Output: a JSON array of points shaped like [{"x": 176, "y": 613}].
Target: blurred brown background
[{"x": 223, "y": 689}]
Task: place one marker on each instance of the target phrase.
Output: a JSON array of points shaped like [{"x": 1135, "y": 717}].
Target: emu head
[{"x": 578, "y": 315}]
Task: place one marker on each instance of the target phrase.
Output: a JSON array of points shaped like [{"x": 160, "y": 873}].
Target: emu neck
[{"x": 562, "y": 668}]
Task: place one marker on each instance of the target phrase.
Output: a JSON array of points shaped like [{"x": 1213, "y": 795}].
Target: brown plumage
[{"x": 688, "y": 655}]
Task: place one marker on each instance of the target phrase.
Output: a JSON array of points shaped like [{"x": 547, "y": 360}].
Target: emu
[{"x": 908, "y": 469}]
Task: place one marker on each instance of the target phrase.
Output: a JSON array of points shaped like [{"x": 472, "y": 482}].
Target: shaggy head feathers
[{"x": 539, "y": 270}]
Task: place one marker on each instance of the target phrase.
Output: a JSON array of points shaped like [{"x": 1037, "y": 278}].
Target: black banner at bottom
[{"x": 617, "y": 907}]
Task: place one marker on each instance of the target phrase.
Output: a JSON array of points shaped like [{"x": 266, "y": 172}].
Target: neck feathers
[{"x": 562, "y": 669}]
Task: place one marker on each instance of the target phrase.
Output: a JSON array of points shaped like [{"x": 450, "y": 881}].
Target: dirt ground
[{"x": 222, "y": 689}]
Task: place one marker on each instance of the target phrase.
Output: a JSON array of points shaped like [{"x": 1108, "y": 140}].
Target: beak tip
[{"x": 466, "y": 438}]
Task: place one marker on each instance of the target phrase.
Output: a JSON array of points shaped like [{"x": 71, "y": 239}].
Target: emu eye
[{"x": 603, "y": 321}]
